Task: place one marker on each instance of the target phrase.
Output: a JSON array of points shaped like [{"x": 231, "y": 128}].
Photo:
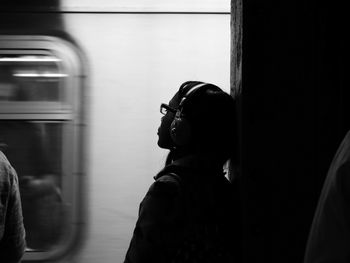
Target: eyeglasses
[{"x": 164, "y": 108}]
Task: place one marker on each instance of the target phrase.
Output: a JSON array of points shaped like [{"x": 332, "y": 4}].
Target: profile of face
[
  {"x": 164, "y": 138},
  {"x": 199, "y": 128}
]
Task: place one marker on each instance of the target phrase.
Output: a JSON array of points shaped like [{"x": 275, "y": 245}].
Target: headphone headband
[
  {"x": 192, "y": 88},
  {"x": 190, "y": 91}
]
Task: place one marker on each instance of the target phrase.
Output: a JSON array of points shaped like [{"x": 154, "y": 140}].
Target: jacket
[
  {"x": 329, "y": 238},
  {"x": 190, "y": 192},
  {"x": 12, "y": 233}
]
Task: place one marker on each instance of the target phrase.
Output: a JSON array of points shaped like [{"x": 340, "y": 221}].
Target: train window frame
[{"x": 71, "y": 113}]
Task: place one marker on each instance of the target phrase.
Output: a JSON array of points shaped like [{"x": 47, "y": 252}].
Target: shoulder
[
  {"x": 7, "y": 173},
  {"x": 166, "y": 185},
  {"x": 4, "y": 163},
  {"x": 3, "y": 158},
  {"x": 4, "y": 167}
]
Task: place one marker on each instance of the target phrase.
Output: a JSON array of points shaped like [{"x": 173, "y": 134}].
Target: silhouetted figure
[
  {"x": 12, "y": 233},
  {"x": 329, "y": 239},
  {"x": 189, "y": 214}
]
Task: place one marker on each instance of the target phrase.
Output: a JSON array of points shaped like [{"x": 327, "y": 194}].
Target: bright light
[
  {"x": 29, "y": 59},
  {"x": 40, "y": 75}
]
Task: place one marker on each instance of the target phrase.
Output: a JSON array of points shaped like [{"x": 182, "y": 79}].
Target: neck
[{"x": 176, "y": 153}]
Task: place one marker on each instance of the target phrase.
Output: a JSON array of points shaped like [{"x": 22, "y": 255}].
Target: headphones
[{"x": 180, "y": 128}]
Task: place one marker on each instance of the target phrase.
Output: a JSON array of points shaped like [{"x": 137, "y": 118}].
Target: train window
[
  {"x": 40, "y": 132},
  {"x": 35, "y": 150},
  {"x": 30, "y": 78}
]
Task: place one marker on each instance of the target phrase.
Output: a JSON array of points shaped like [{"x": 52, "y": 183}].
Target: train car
[{"x": 81, "y": 83}]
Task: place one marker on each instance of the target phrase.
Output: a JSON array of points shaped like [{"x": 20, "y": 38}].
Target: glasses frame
[{"x": 167, "y": 108}]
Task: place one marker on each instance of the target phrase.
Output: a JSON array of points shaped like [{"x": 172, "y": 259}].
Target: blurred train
[{"x": 80, "y": 87}]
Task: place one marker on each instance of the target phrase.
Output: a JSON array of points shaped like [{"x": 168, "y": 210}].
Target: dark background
[{"x": 294, "y": 109}]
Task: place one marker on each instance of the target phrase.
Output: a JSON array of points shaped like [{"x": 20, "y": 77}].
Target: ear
[{"x": 180, "y": 131}]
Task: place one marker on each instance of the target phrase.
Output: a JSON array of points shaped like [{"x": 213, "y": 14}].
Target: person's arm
[
  {"x": 329, "y": 235},
  {"x": 12, "y": 245},
  {"x": 158, "y": 227}
]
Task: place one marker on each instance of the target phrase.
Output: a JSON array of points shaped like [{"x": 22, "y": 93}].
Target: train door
[{"x": 41, "y": 117}]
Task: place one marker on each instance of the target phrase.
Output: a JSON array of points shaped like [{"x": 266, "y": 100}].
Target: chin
[{"x": 163, "y": 145}]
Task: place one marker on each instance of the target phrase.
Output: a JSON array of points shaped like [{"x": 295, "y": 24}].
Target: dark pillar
[{"x": 294, "y": 108}]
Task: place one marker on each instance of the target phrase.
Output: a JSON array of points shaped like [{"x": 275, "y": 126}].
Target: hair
[{"x": 211, "y": 114}]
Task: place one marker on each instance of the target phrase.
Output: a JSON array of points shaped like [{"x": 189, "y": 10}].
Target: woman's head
[{"x": 200, "y": 119}]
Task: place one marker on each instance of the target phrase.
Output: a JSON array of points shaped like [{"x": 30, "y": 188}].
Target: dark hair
[{"x": 211, "y": 113}]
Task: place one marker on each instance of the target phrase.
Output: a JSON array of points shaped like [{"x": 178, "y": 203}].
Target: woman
[{"x": 187, "y": 214}]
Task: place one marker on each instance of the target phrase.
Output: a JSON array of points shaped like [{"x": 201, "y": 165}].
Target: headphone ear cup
[{"x": 180, "y": 131}]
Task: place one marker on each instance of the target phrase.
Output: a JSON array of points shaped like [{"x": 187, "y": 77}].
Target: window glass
[
  {"x": 31, "y": 78},
  {"x": 35, "y": 151}
]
